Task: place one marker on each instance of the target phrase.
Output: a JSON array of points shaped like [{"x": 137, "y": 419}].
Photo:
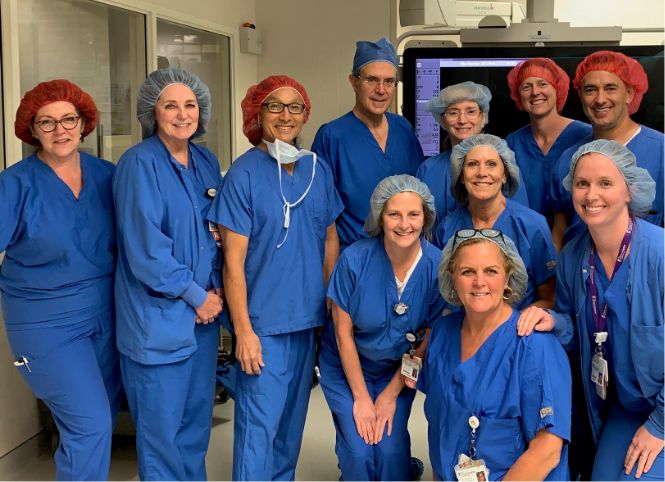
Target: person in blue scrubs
[
  {"x": 57, "y": 231},
  {"x": 484, "y": 178},
  {"x": 540, "y": 87},
  {"x": 367, "y": 144},
  {"x": 462, "y": 110},
  {"x": 383, "y": 291},
  {"x": 611, "y": 86},
  {"x": 276, "y": 212},
  {"x": 168, "y": 284},
  {"x": 609, "y": 309},
  {"x": 500, "y": 399}
]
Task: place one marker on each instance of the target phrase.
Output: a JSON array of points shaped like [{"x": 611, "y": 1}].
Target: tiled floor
[{"x": 317, "y": 457}]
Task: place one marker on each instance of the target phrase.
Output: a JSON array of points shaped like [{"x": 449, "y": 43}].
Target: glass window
[
  {"x": 99, "y": 48},
  {"x": 207, "y": 55}
]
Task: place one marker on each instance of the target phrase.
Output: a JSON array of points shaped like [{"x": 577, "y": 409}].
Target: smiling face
[
  {"x": 283, "y": 125},
  {"x": 60, "y": 143},
  {"x": 462, "y": 126},
  {"x": 480, "y": 276},
  {"x": 177, "y": 113},
  {"x": 538, "y": 96},
  {"x": 374, "y": 100},
  {"x": 403, "y": 218},
  {"x": 605, "y": 99},
  {"x": 483, "y": 174},
  {"x": 600, "y": 193}
]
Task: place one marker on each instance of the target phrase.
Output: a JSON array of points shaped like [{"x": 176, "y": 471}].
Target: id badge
[
  {"x": 411, "y": 366},
  {"x": 471, "y": 470},
  {"x": 214, "y": 230},
  {"x": 599, "y": 375}
]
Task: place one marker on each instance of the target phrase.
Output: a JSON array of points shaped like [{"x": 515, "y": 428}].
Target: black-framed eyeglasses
[
  {"x": 277, "y": 107},
  {"x": 49, "y": 125},
  {"x": 373, "y": 82},
  {"x": 489, "y": 233},
  {"x": 454, "y": 114}
]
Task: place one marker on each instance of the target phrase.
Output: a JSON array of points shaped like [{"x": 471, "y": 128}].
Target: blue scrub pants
[
  {"x": 618, "y": 431},
  {"x": 387, "y": 460},
  {"x": 74, "y": 370},
  {"x": 270, "y": 408},
  {"x": 171, "y": 405}
]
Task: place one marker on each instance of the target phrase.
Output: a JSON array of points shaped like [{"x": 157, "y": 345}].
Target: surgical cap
[
  {"x": 542, "y": 68},
  {"x": 517, "y": 280},
  {"x": 153, "y": 87},
  {"x": 641, "y": 186},
  {"x": 256, "y": 94},
  {"x": 46, "y": 93},
  {"x": 626, "y": 68},
  {"x": 380, "y": 51},
  {"x": 390, "y": 186},
  {"x": 455, "y": 93},
  {"x": 461, "y": 150}
]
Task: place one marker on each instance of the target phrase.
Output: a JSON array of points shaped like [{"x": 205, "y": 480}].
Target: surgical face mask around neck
[{"x": 284, "y": 152}]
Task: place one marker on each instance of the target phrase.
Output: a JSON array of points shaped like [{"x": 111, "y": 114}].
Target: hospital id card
[
  {"x": 411, "y": 366},
  {"x": 469, "y": 470},
  {"x": 599, "y": 375}
]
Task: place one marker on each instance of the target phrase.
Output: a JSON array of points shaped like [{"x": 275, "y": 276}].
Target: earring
[
  {"x": 453, "y": 295},
  {"x": 507, "y": 293}
]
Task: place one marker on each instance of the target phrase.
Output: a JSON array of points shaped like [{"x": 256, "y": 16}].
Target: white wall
[{"x": 314, "y": 42}]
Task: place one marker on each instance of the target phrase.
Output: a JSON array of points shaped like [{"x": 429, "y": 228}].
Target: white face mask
[{"x": 285, "y": 153}]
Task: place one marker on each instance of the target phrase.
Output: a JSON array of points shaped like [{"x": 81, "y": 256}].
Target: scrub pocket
[
  {"x": 646, "y": 349},
  {"x": 500, "y": 442}
]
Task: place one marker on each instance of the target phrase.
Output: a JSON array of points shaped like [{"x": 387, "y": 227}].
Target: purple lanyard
[{"x": 600, "y": 318}]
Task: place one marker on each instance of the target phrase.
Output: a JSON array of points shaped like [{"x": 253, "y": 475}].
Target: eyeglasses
[
  {"x": 488, "y": 233},
  {"x": 277, "y": 107},
  {"x": 373, "y": 82},
  {"x": 454, "y": 114},
  {"x": 49, "y": 125}
]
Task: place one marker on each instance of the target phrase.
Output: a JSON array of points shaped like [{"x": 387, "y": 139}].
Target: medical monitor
[{"x": 428, "y": 70}]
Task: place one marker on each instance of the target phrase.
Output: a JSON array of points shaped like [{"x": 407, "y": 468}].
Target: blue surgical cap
[
  {"x": 641, "y": 186},
  {"x": 390, "y": 186},
  {"x": 505, "y": 153},
  {"x": 380, "y": 51},
  {"x": 153, "y": 87},
  {"x": 518, "y": 277},
  {"x": 455, "y": 93}
]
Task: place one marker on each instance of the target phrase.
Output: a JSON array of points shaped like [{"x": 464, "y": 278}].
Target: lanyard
[{"x": 600, "y": 317}]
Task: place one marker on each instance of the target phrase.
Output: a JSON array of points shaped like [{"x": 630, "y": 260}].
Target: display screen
[{"x": 428, "y": 70}]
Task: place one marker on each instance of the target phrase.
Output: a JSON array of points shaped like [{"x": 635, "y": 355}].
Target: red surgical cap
[
  {"x": 256, "y": 94},
  {"x": 543, "y": 69},
  {"x": 46, "y": 93},
  {"x": 626, "y": 68}
]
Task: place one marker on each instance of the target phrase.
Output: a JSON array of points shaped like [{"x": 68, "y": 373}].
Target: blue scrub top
[
  {"x": 648, "y": 147},
  {"x": 526, "y": 228},
  {"x": 60, "y": 251},
  {"x": 536, "y": 168},
  {"x": 514, "y": 385},
  {"x": 358, "y": 164},
  {"x": 636, "y": 300},
  {"x": 363, "y": 285},
  {"x": 436, "y": 173},
  {"x": 167, "y": 257},
  {"x": 285, "y": 289},
  {"x": 623, "y": 380}
]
